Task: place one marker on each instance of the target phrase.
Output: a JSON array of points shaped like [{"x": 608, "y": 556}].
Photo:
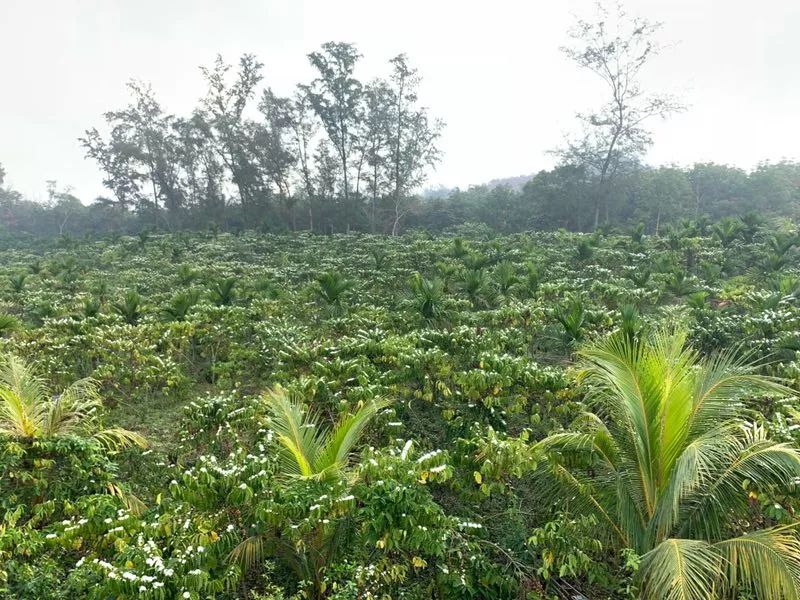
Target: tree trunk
[{"x": 596, "y": 211}]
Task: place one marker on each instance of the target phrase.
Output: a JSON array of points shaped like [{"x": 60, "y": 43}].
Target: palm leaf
[
  {"x": 767, "y": 562},
  {"x": 346, "y": 434},
  {"x": 116, "y": 438},
  {"x": 249, "y": 552},
  {"x": 679, "y": 569},
  {"x": 753, "y": 457},
  {"x": 296, "y": 431}
]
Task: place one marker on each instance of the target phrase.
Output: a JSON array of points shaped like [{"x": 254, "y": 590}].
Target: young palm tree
[
  {"x": 310, "y": 449},
  {"x": 180, "y": 305},
  {"x": 17, "y": 282},
  {"x": 29, "y": 411},
  {"x": 223, "y": 291},
  {"x": 130, "y": 307},
  {"x": 331, "y": 288},
  {"x": 91, "y": 307},
  {"x": 8, "y": 324},
  {"x": 665, "y": 463},
  {"x": 727, "y": 230},
  {"x": 477, "y": 287},
  {"x": 572, "y": 318},
  {"x": 313, "y": 452},
  {"x": 505, "y": 277},
  {"x": 530, "y": 283},
  {"x": 186, "y": 274},
  {"x": 425, "y": 297}
]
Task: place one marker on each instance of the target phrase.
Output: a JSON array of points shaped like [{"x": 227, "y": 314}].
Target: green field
[{"x": 447, "y": 360}]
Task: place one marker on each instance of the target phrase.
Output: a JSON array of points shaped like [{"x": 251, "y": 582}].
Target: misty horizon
[{"x": 732, "y": 69}]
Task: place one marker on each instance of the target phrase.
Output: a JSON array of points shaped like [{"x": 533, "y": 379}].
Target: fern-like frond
[
  {"x": 116, "y": 438},
  {"x": 766, "y": 562},
  {"x": 248, "y": 553},
  {"x": 679, "y": 569},
  {"x": 345, "y": 435},
  {"x": 296, "y": 431}
]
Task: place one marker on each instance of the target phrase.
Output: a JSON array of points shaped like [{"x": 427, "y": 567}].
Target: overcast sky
[{"x": 492, "y": 70}]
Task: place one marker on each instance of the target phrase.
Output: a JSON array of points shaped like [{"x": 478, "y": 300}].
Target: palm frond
[
  {"x": 21, "y": 392},
  {"x": 766, "y": 562},
  {"x": 71, "y": 411},
  {"x": 754, "y": 458},
  {"x": 679, "y": 569},
  {"x": 611, "y": 368},
  {"x": 345, "y": 435},
  {"x": 296, "y": 431},
  {"x": 116, "y": 438},
  {"x": 700, "y": 460},
  {"x": 248, "y": 553},
  {"x": 719, "y": 384}
]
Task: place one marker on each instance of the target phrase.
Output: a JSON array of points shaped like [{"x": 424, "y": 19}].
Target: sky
[{"x": 492, "y": 71}]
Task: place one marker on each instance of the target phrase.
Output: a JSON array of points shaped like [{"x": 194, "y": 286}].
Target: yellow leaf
[{"x": 418, "y": 562}]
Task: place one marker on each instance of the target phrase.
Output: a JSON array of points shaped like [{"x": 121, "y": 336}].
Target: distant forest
[
  {"x": 345, "y": 155},
  {"x": 554, "y": 199}
]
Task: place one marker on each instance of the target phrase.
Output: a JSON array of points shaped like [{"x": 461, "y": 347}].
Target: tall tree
[
  {"x": 336, "y": 96},
  {"x": 223, "y": 110},
  {"x": 616, "y": 49},
  {"x": 660, "y": 195},
  {"x": 139, "y": 158},
  {"x": 272, "y": 145},
  {"x": 374, "y": 143},
  {"x": 718, "y": 189},
  {"x": 202, "y": 171},
  {"x": 303, "y": 132},
  {"x": 413, "y": 138}
]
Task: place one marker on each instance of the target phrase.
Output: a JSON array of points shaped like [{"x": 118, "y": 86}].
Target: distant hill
[{"x": 515, "y": 183}]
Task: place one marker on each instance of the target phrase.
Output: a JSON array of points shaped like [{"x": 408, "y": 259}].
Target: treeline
[
  {"x": 338, "y": 154},
  {"x": 553, "y": 199},
  {"x": 342, "y": 155},
  {"x": 565, "y": 197}
]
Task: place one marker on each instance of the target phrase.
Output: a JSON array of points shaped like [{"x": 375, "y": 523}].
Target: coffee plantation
[{"x": 465, "y": 415}]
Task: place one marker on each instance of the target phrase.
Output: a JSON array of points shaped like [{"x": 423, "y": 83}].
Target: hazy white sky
[{"x": 492, "y": 71}]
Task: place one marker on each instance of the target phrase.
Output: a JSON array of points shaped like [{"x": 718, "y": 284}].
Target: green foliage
[
  {"x": 8, "y": 324},
  {"x": 331, "y": 288},
  {"x": 91, "y": 307},
  {"x": 129, "y": 308},
  {"x": 29, "y": 411},
  {"x": 465, "y": 338},
  {"x": 222, "y": 291},
  {"x": 186, "y": 275},
  {"x": 180, "y": 305},
  {"x": 17, "y": 282},
  {"x": 572, "y": 318},
  {"x": 585, "y": 250},
  {"x": 309, "y": 449},
  {"x": 426, "y": 297},
  {"x": 664, "y": 474}
]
